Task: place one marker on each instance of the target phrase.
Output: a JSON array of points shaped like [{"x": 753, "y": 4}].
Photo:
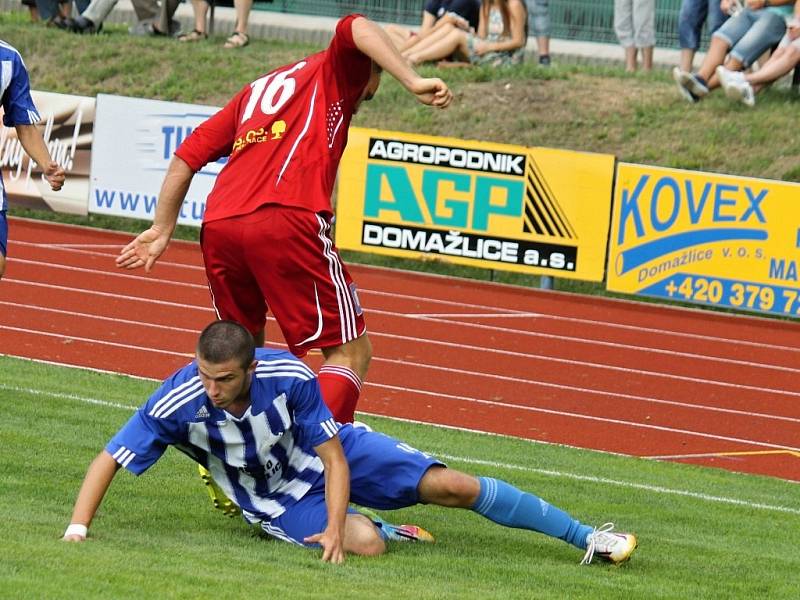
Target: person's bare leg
[
  {"x": 243, "y": 8},
  {"x": 687, "y": 59},
  {"x": 423, "y": 43},
  {"x": 201, "y": 18},
  {"x": 543, "y": 45},
  {"x": 630, "y": 59},
  {"x": 781, "y": 63},
  {"x": 732, "y": 64},
  {"x": 454, "y": 42},
  {"x": 647, "y": 58},
  {"x": 398, "y": 34},
  {"x": 715, "y": 56}
]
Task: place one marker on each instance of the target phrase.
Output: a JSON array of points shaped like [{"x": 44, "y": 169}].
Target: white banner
[
  {"x": 133, "y": 146},
  {"x": 66, "y": 126}
]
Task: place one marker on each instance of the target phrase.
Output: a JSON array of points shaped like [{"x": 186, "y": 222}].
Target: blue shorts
[
  {"x": 751, "y": 33},
  {"x": 384, "y": 474},
  {"x": 3, "y": 232},
  {"x": 692, "y": 15}
]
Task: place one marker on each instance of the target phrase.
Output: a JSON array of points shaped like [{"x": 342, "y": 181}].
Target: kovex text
[{"x": 656, "y": 207}]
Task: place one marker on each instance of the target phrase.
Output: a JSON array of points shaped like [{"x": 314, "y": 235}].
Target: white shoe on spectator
[
  {"x": 736, "y": 86},
  {"x": 679, "y": 76}
]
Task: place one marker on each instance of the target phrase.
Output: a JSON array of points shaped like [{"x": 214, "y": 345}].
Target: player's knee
[
  {"x": 2, "y": 265},
  {"x": 362, "y": 537},
  {"x": 448, "y": 487}
]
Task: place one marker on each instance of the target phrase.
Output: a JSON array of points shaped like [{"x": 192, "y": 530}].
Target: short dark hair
[{"x": 223, "y": 340}]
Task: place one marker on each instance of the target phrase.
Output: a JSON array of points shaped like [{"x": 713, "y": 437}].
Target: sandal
[
  {"x": 237, "y": 40},
  {"x": 195, "y": 35}
]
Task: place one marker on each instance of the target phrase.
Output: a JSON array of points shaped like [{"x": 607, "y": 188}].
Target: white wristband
[{"x": 76, "y": 529}]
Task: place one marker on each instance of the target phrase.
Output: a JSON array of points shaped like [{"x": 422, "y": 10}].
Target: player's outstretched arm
[
  {"x": 34, "y": 145},
  {"x": 149, "y": 245},
  {"x": 99, "y": 476},
  {"x": 373, "y": 41},
  {"x": 337, "y": 496}
]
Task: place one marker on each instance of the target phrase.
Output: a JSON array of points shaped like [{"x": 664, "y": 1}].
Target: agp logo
[{"x": 462, "y": 200}]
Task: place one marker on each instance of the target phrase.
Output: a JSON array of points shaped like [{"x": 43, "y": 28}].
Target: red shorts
[{"x": 282, "y": 259}]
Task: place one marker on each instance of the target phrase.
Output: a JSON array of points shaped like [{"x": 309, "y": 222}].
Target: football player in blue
[
  {"x": 19, "y": 112},
  {"x": 256, "y": 420}
]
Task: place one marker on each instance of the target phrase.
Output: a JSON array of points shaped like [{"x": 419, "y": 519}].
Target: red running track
[{"x": 626, "y": 377}]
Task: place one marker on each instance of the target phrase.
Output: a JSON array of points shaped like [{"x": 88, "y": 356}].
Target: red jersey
[{"x": 284, "y": 133}]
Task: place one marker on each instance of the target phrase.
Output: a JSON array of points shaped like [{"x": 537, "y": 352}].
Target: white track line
[
  {"x": 78, "y": 246},
  {"x": 601, "y": 366},
  {"x": 572, "y": 388},
  {"x": 561, "y": 413},
  {"x": 72, "y": 313},
  {"x": 494, "y": 464},
  {"x": 626, "y": 484},
  {"x": 107, "y": 254},
  {"x": 618, "y": 395},
  {"x": 576, "y": 340},
  {"x": 460, "y": 398},
  {"x": 93, "y": 341},
  {"x": 493, "y": 310},
  {"x": 717, "y": 359},
  {"x": 63, "y": 288},
  {"x": 114, "y": 274}
]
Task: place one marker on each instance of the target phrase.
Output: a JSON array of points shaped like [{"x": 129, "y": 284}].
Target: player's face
[
  {"x": 370, "y": 89},
  {"x": 227, "y": 384}
]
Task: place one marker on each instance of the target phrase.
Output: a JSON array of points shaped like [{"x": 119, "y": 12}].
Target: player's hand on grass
[
  {"x": 332, "y": 545},
  {"x": 76, "y": 532},
  {"x": 432, "y": 91},
  {"x": 55, "y": 176},
  {"x": 144, "y": 250}
]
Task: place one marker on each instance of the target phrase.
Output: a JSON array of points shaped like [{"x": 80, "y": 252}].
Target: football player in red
[{"x": 266, "y": 229}]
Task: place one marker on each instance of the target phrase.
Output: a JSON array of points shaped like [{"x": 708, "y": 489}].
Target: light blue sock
[{"x": 506, "y": 505}]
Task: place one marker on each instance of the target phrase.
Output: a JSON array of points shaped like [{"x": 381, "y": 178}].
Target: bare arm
[
  {"x": 428, "y": 21},
  {"x": 150, "y": 245},
  {"x": 34, "y": 145},
  {"x": 95, "y": 484},
  {"x": 337, "y": 496},
  {"x": 373, "y": 41}
]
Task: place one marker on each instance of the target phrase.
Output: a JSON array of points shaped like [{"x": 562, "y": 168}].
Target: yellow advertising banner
[
  {"x": 711, "y": 239},
  {"x": 532, "y": 210}
]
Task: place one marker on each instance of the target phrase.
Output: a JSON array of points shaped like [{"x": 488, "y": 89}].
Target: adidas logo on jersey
[{"x": 202, "y": 413}]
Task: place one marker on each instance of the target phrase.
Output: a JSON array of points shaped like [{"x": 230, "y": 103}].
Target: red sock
[{"x": 340, "y": 389}]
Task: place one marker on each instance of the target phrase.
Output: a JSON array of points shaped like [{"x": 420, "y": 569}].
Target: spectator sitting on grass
[
  {"x": 54, "y": 12},
  {"x": 739, "y": 86},
  {"x": 501, "y": 38},
  {"x": 152, "y": 19},
  {"x": 746, "y": 36},
  {"x": 462, "y": 14}
]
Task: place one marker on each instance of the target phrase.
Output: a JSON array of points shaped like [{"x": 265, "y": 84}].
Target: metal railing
[{"x": 584, "y": 20}]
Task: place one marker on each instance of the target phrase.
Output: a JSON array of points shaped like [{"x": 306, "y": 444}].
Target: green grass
[{"x": 158, "y": 537}]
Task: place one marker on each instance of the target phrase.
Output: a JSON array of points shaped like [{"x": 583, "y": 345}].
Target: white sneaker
[
  {"x": 609, "y": 545},
  {"x": 736, "y": 86},
  {"x": 361, "y": 425},
  {"x": 679, "y": 76}
]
